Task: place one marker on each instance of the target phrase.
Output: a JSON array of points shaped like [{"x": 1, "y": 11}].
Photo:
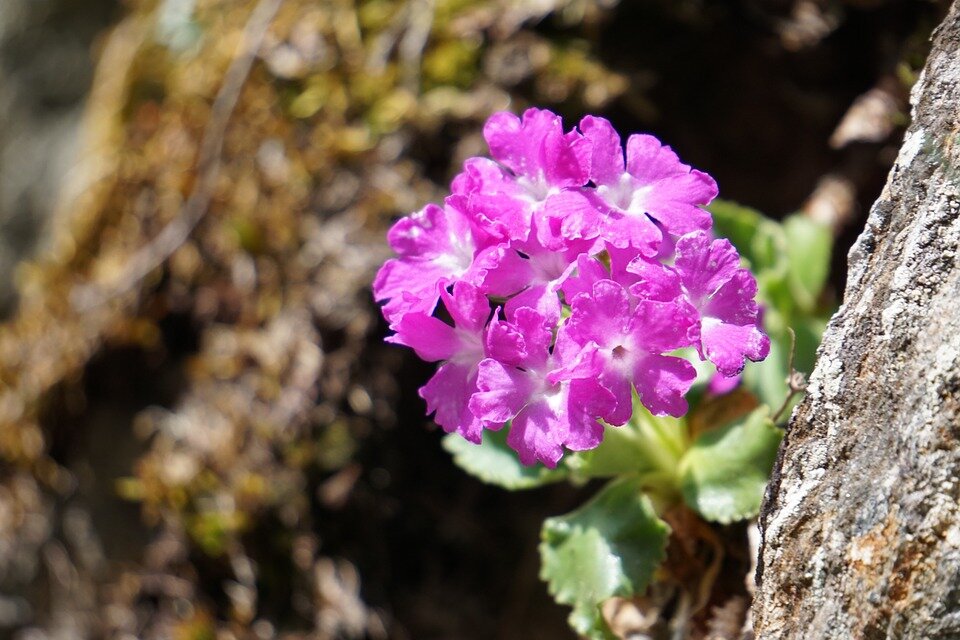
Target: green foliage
[
  {"x": 725, "y": 472},
  {"x": 809, "y": 244},
  {"x": 610, "y": 546},
  {"x": 645, "y": 446},
  {"x": 496, "y": 463}
]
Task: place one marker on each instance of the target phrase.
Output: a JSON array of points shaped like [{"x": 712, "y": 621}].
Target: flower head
[{"x": 572, "y": 272}]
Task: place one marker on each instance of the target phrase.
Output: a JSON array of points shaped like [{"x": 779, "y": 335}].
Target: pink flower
[
  {"x": 494, "y": 198},
  {"x": 460, "y": 347},
  {"x": 547, "y": 413},
  {"x": 530, "y": 274},
  {"x": 537, "y": 150},
  {"x": 724, "y": 295},
  {"x": 625, "y": 339},
  {"x": 720, "y": 384},
  {"x": 436, "y": 246},
  {"x": 652, "y": 186},
  {"x": 540, "y": 169},
  {"x": 599, "y": 266}
]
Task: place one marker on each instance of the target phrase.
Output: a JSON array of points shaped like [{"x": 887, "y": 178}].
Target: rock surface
[{"x": 861, "y": 526}]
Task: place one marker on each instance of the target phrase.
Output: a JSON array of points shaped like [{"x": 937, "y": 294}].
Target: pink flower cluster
[{"x": 569, "y": 274}]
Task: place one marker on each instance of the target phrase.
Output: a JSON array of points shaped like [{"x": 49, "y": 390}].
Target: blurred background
[{"x": 202, "y": 434}]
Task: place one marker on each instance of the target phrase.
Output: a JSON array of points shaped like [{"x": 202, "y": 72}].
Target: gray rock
[{"x": 861, "y": 525}]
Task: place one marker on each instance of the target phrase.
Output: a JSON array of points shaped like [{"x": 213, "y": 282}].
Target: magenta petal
[
  {"x": 565, "y": 415},
  {"x": 505, "y": 272},
  {"x": 601, "y": 316},
  {"x": 586, "y": 401},
  {"x": 468, "y": 307},
  {"x": 436, "y": 246},
  {"x": 408, "y": 287},
  {"x": 585, "y": 432},
  {"x": 537, "y": 330},
  {"x": 662, "y": 382},
  {"x": 675, "y": 201},
  {"x": 617, "y": 383},
  {"x": 503, "y": 217},
  {"x": 535, "y": 148},
  {"x": 664, "y": 326},
  {"x": 589, "y": 270},
  {"x": 494, "y": 199},
  {"x": 649, "y": 161},
  {"x": 430, "y": 338},
  {"x": 728, "y": 345},
  {"x": 536, "y": 434},
  {"x": 502, "y": 392},
  {"x": 517, "y": 143},
  {"x": 667, "y": 189},
  {"x": 606, "y": 165},
  {"x": 574, "y": 359},
  {"x": 448, "y": 394},
  {"x": 720, "y": 384},
  {"x": 571, "y": 216},
  {"x": 633, "y": 230},
  {"x": 442, "y": 234},
  {"x": 704, "y": 264},
  {"x": 655, "y": 281},
  {"x": 410, "y": 235},
  {"x": 541, "y": 297},
  {"x": 734, "y": 302},
  {"x": 566, "y": 160},
  {"x": 505, "y": 342}
]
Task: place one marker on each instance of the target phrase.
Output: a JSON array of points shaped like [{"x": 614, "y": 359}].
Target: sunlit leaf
[
  {"x": 495, "y": 462},
  {"x": 610, "y": 546},
  {"x": 725, "y": 472},
  {"x": 809, "y": 245}
]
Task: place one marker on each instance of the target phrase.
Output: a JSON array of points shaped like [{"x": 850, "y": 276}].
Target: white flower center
[
  {"x": 548, "y": 266},
  {"x": 626, "y": 194},
  {"x": 536, "y": 189},
  {"x": 459, "y": 257}
]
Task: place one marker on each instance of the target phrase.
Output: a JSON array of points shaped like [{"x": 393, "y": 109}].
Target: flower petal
[
  {"x": 468, "y": 307},
  {"x": 606, "y": 164},
  {"x": 432, "y": 339},
  {"x": 502, "y": 391},
  {"x": 536, "y": 434},
  {"x": 662, "y": 382},
  {"x": 728, "y": 345},
  {"x": 705, "y": 265},
  {"x": 448, "y": 394}
]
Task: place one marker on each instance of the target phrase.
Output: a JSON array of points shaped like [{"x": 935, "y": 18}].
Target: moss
[{"x": 325, "y": 145}]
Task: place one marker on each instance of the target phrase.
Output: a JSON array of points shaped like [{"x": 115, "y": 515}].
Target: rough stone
[{"x": 860, "y": 535}]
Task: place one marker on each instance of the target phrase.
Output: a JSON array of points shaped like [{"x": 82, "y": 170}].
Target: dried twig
[
  {"x": 158, "y": 250},
  {"x": 796, "y": 382}
]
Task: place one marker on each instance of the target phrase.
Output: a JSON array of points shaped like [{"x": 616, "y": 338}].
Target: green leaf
[
  {"x": 735, "y": 222},
  {"x": 809, "y": 244},
  {"x": 496, "y": 463},
  {"x": 610, "y": 546},
  {"x": 645, "y": 444},
  {"x": 725, "y": 472},
  {"x": 809, "y": 332}
]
